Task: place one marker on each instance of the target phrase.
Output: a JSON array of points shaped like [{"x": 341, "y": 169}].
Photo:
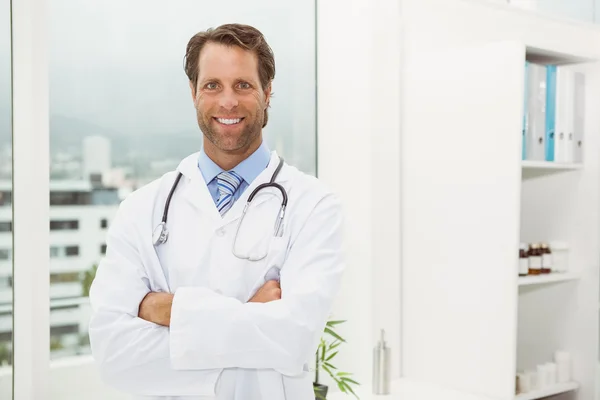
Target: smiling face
[{"x": 229, "y": 99}]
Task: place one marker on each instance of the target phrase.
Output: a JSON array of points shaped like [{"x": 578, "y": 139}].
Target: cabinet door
[{"x": 461, "y": 174}]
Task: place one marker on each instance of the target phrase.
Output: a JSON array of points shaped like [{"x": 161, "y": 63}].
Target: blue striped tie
[{"x": 228, "y": 183}]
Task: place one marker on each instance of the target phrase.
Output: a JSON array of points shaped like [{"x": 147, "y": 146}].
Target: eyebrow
[{"x": 244, "y": 79}]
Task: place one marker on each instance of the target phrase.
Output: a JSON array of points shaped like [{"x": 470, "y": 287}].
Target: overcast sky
[{"x": 119, "y": 63}]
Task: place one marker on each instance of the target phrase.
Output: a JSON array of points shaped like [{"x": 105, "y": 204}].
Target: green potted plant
[
  {"x": 325, "y": 354},
  {"x": 88, "y": 278}
]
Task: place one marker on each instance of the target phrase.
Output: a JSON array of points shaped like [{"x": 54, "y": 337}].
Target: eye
[
  {"x": 244, "y": 85},
  {"x": 211, "y": 86}
]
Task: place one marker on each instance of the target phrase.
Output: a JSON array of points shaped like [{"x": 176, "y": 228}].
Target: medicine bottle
[
  {"x": 546, "y": 258},
  {"x": 535, "y": 259},
  {"x": 523, "y": 260}
]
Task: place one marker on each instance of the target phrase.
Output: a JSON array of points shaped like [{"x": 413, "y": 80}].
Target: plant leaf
[
  {"x": 352, "y": 391},
  {"x": 345, "y": 379},
  {"x": 328, "y": 371},
  {"x": 331, "y": 356},
  {"x": 335, "y": 344},
  {"x": 335, "y": 335},
  {"x": 329, "y": 365},
  {"x": 333, "y": 323}
]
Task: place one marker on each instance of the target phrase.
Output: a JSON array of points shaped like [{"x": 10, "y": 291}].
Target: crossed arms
[{"x": 149, "y": 343}]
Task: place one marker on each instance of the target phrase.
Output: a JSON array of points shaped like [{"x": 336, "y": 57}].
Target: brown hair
[{"x": 244, "y": 36}]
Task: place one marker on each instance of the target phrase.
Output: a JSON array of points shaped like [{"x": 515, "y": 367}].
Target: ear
[{"x": 268, "y": 95}]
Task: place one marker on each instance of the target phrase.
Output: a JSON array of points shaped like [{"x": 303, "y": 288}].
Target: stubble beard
[{"x": 234, "y": 143}]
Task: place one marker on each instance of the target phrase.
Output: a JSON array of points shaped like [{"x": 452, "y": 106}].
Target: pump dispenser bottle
[{"x": 381, "y": 367}]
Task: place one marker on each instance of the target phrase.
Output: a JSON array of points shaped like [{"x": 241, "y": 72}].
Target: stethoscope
[{"x": 161, "y": 233}]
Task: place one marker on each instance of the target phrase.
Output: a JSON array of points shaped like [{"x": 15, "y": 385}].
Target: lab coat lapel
[
  {"x": 238, "y": 207},
  {"x": 196, "y": 190}
]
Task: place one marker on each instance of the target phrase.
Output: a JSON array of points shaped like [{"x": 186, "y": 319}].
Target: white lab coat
[{"x": 218, "y": 346}]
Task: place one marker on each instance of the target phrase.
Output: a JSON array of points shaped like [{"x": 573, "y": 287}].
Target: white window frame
[{"x": 31, "y": 197}]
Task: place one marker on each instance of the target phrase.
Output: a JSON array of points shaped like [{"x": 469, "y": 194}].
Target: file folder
[
  {"x": 563, "y": 137},
  {"x": 578, "y": 116},
  {"x": 550, "y": 111},
  {"x": 525, "y": 116},
  {"x": 536, "y": 112}
]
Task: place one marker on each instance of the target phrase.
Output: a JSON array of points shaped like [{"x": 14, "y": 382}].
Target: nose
[{"x": 228, "y": 99}]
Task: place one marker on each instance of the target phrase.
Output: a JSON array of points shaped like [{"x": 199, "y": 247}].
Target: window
[
  {"x": 5, "y": 195},
  {"x": 64, "y": 225},
  {"x": 71, "y": 251},
  {"x": 69, "y": 198},
  {"x": 582, "y": 10},
  {"x": 65, "y": 277},
  {"x": 55, "y": 252},
  {"x": 6, "y": 147},
  {"x": 115, "y": 141},
  {"x": 5, "y": 254}
]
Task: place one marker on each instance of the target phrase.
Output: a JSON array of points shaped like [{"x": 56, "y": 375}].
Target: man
[{"x": 220, "y": 310}]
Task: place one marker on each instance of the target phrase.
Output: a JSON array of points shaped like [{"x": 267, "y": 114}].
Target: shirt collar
[{"x": 248, "y": 169}]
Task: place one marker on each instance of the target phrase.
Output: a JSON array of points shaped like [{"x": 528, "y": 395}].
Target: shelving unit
[
  {"x": 546, "y": 165},
  {"x": 549, "y": 278},
  {"x": 535, "y": 169},
  {"x": 550, "y": 391},
  {"x": 469, "y": 200}
]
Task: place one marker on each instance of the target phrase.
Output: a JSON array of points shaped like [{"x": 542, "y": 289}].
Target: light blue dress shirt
[{"x": 248, "y": 169}]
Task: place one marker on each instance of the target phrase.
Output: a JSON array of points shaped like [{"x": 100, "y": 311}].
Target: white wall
[{"x": 359, "y": 146}]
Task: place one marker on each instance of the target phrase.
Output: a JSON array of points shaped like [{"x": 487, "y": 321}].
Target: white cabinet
[
  {"x": 459, "y": 318},
  {"x": 460, "y": 185},
  {"x": 468, "y": 321}
]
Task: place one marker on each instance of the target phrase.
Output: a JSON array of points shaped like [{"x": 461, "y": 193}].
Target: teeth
[{"x": 229, "y": 121}]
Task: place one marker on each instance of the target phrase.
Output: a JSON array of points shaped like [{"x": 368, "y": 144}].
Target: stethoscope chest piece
[{"x": 160, "y": 234}]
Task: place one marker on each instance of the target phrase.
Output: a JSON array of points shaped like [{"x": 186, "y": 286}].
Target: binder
[
  {"x": 525, "y": 116},
  {"x": 563, "y": 137},
  {"x": 578, "y": 116},
  {"x": 550, "y": 111},
  {"x": 536, "y": 111}
]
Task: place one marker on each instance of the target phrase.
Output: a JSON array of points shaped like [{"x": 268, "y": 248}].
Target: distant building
[
  {"x": 80, "y": 214},
  {"x": 6, "y": 161},
  {"x": 96, "y": 156}
]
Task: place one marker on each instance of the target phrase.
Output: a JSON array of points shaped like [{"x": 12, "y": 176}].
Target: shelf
[
  {"x": 549, "y": 165},
  {"x": 532, "y": 169},
  {"x": 549, "y": 391},
  {"x": 547, "y": 278}
]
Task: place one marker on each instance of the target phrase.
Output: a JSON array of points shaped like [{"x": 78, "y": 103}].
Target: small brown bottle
[
  {"x": 546, "y": 258},
  {"x": 523, "y": 260},
  {"x": 535, "y": 259}
]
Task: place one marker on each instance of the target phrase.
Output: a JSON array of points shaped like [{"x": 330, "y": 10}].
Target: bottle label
[
  {"x": 546, "y": 261},
  {"x": 523, "y": 266},
  {"x": 535, "y": 262}
]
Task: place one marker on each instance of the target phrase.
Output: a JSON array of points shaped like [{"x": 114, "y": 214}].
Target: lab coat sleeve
[
  {"x": 209, "y": 330},
  {"x": 133, "y": 354}
]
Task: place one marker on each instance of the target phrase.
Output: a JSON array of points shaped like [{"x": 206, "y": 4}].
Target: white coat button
[{"x": 221, "y": 232}]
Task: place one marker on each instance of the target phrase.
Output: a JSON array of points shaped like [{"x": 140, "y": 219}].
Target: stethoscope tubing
[{"x": 164, "y": 234}]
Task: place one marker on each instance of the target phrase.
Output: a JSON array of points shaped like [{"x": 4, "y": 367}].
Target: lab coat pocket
[{"x": 259, "y": 272}]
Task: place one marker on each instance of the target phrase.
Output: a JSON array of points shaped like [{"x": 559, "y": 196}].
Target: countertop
[{"x": 404, "y": 389}]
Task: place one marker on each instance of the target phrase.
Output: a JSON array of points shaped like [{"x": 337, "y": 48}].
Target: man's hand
[
  {"x": 156, "y": 307},
  {"x": 268, "y": 292}
]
